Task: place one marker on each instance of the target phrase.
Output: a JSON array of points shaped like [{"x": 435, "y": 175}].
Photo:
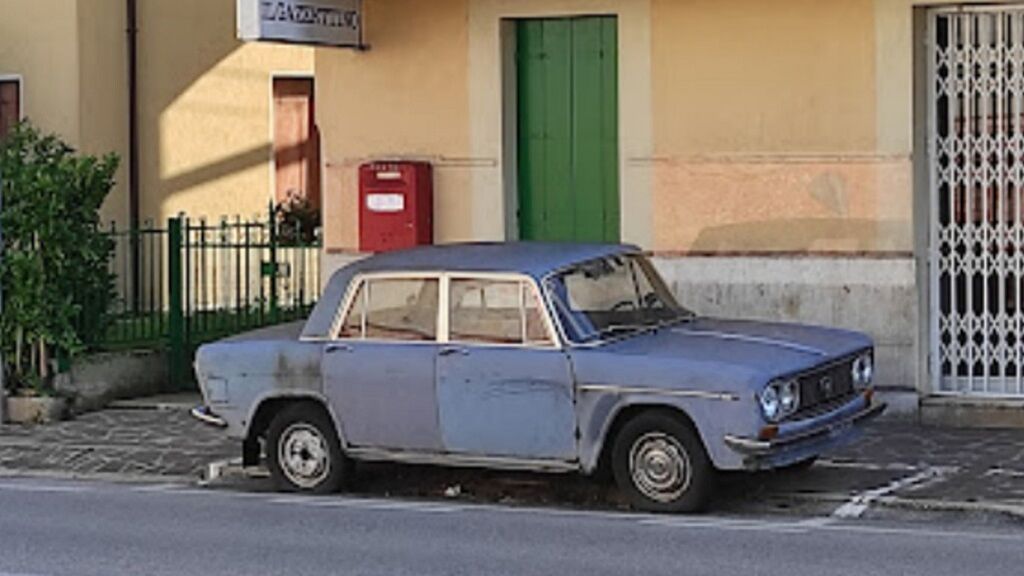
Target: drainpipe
[{"x": 133, "y": 150}]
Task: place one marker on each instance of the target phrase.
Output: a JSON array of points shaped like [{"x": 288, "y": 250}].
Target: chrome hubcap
[
  {"x": 304, "y": 456},
  {"x": 660, "y": 467}
]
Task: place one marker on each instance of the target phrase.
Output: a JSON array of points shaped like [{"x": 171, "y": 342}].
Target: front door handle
[
  {"x": 337, "y": 347},
  {"x": 453, "y": 350}
]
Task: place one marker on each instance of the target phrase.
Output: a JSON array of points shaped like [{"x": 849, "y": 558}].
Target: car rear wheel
[
  {"x": 660, "y": 464},
  {"x": 303, "y": 451}
]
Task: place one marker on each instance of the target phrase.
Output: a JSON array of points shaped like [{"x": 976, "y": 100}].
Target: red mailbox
[{"x": 396, "y": 205}]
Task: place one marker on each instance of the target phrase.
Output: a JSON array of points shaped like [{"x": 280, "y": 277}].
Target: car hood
[{"x": 716, "y": 354}]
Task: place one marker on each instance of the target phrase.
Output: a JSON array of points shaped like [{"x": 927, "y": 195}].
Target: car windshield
[{"x": 611, "y": 296}]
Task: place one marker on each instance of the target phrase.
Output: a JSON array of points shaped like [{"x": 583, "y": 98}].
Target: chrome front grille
[{"x": 826, "y": 387}]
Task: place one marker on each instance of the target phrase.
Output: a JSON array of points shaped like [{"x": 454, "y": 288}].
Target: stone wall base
[
  {"x": 95, "y": 381},
  {"x": 962, "y": 412}
]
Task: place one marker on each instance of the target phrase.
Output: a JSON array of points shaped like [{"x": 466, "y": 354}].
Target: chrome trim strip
[
  {"x": 462, "y": 461},
  {"x": 724, "y": 396}
]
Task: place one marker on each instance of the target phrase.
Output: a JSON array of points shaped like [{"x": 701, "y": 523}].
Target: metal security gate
[{"x": 976, "y": 157}]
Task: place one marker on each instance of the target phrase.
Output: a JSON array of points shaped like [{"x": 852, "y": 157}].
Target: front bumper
[{"x": 803, "y": 441}]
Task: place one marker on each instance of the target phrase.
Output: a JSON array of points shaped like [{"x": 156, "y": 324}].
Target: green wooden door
[{"x": 568, "y": 129}]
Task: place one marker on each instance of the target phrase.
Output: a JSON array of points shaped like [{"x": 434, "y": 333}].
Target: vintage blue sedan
[{"x": 528, "y": 356}]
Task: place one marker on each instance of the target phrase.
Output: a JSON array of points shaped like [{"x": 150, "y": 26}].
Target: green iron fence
[{"x": 193, "y": 282}]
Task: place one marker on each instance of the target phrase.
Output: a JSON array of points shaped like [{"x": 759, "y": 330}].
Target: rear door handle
[
  {"x": 337, "y": 347},
  {"x": 453, "y": 350}
]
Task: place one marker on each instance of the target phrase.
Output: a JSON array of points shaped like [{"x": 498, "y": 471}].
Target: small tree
[{"x": 57, "y": 287}]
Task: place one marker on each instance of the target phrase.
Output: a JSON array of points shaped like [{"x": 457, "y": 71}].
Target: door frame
[
  {"x": 271, "y": 122},
  {"x": 510, "y": 119},
  {"x": 492, "y": 50},
  {"x": 21, "y": 91}
]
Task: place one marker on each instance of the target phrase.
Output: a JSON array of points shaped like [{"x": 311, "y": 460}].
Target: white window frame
[
  {"x": 522, "y": 279},
  {"x": 443, "y": 313},
  {"x": 353, "y": 290}
]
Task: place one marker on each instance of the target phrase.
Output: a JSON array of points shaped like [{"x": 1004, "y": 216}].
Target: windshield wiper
[{"x": 617, "y": 328}]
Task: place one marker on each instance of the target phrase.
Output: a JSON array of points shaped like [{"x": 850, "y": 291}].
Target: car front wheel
[
  {"x": 303, "y": 451},
  {"x": 660, "y": 464}
]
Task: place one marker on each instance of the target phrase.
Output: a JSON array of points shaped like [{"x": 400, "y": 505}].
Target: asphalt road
[{"x": 53, "y": 528}]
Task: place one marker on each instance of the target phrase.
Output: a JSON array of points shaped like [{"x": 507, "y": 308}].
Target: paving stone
[{"x": 134, "y": 442}]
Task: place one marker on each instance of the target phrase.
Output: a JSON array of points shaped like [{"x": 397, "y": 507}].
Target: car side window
[
  {"x": 490, "y": 311},
  {"x": 393, "y": 309}
]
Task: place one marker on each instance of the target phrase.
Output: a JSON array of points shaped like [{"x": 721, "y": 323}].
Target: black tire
[
  {"x": 317, "y": 464},
  {"x": 660, "y": 464}
]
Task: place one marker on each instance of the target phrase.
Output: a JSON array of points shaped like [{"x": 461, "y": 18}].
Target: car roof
[{"x": 536, "y": 259}]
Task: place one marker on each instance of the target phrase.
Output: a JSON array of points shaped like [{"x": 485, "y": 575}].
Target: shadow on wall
[
  {"x": 854, "y": 235},
  {"x": 203, "y": 114}
]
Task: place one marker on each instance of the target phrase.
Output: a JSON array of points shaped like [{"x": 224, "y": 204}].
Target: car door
[
  {"x": 504, "y": 388},
  {"x": 378, "y": 371}
]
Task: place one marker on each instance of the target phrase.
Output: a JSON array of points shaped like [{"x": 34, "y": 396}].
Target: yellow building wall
[
  {"x": 763, "y": 117},
  {"x": 205, "y": 111},
  {"x": 39, "y": 42},
  {"x": 103, "y": 92},
  {"x": 407, "y": 97},
  {"x": 765, "y": 130}
]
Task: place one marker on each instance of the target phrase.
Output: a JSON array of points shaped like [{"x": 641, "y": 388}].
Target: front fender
[{"x": 713, "y": 415}]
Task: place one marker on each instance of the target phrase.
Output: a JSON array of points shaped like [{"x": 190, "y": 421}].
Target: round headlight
[
  {"x": 863, "y": 371},
  {"x": 789, "y": 397},
  {"x": 771, "y": 407}
]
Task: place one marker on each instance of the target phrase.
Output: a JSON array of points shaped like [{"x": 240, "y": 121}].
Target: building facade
[
  {"x": 851, "y": 162},
  {"x": 221, "y": 128}
]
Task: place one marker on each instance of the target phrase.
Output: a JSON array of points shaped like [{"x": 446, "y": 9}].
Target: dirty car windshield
[{"x": 612, "y": 296}]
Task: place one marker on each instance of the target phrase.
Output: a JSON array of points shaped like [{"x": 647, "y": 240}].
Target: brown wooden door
[
  {"x": 10, "y": 105},
  {"x": 296, "y": 141}
]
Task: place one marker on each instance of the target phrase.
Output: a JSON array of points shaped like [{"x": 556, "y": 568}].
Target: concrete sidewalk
[{"x": 894, "y": 465}]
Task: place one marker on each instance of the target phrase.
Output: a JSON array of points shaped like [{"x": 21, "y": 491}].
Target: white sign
[
  {"x": 320, "y": 22},
  {"x": 385, "y": 202}
]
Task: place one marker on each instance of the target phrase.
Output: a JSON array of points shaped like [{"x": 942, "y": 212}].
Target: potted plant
[{"x": 56, "y": 283}]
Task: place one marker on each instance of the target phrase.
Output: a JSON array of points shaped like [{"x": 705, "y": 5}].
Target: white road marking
[
  {"x": 797, "y": 527},
  {"x": 859, "y": 504},
  {"x": 15, "y": 487},
  {"x": 1005, "y": 473},
  {"x": 891, "y": 467},
  {"x": 366, "y": 504},
  {"x": 729, "y": 525},
  {"x": 160, "y": 488},
  {"x": 822, "y": 525}
]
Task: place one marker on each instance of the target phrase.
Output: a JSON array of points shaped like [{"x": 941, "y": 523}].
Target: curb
[
  {"x": 218, "y": 469},
  {"x": 137, "y": 406},
  {"x": 1011, "y": 511},
  {"x": 111, "y": 477}
]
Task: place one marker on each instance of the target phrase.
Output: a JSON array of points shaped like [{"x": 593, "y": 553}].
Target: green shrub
[{"x": 57, "y": 287}]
